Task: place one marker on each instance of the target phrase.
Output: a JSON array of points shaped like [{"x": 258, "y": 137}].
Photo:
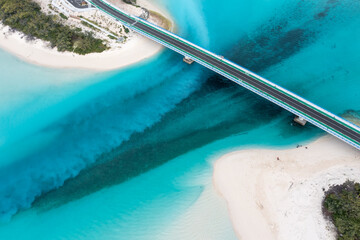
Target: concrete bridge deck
[{"x": 337, "y": 126}]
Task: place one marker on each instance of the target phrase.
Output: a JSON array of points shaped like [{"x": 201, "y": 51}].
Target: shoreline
[
  {"x": 282, "y": 199},
  {"x": 137, "y": 49}
]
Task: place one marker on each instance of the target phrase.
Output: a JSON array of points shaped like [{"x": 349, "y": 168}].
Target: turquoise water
[{"x": 126, "y": 154}]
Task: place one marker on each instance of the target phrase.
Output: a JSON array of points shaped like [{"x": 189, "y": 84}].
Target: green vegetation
[
  {"x": 63, "y": 16},
  {"x": 89, "y": 25},
  {"x": 342, "y": 205},
  {"x": 95, "y": 23},
  {"x": 26, "y": 16},
  {"x": 130, "y": 1},
  {"x": 126, "y": 30}
]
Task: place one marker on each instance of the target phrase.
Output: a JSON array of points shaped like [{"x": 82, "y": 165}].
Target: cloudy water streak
[{"x": 136, "y": 143}]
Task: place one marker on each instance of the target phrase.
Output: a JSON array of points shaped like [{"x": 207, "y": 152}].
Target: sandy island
[
  {"x": 281, "y": 199},
  {"x": 136, "y": 49}
]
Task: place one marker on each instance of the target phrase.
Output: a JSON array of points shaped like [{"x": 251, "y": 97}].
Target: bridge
[{"x": 303, "y": 109}]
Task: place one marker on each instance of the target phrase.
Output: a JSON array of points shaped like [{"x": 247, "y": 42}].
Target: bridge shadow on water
[{"x": 218, "y": 110}]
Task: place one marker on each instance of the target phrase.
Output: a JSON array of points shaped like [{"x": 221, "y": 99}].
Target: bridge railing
[
  {"x": 239, "y": 81},
  {"x": 252, "y": 74}
]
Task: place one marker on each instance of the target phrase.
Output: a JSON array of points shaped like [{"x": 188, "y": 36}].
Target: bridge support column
[
  {"x": 300, "y": 120},
  {"x": 188, "y": 60}
]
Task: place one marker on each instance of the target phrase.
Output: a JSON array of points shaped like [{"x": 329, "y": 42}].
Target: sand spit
[
  {"x": 277, "y": 194},
  {"x": 137, "y": 48}
]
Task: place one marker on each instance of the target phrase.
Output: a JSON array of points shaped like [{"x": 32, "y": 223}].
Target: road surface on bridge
[{"x": 333, "y": 124}]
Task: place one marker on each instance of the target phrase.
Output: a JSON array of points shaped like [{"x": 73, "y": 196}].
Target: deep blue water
[{"x": 124, "y": 154}]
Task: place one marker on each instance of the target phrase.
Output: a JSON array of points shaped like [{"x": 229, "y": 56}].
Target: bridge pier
[
  {"x": 300, "y": 120},
  {"x": 188, "y": 60},
  {"x": 346, "y": 131}
]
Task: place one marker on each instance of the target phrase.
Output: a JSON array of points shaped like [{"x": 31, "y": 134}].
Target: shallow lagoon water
[{"x": 129, "y": 153}]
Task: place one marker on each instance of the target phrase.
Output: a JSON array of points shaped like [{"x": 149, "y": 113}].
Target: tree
[
  {"x": 342, "y": 205},
  {"x": 26, "y": 16}
]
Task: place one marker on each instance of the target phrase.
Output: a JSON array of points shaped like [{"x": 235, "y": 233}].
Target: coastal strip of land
[
  {"x": 277, "y": 194},
  {"x": 136, "y": 48}
]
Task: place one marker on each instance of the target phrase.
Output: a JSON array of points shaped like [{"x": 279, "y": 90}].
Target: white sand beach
[
  {"x": 137, "y": 48},
  {"x": 281, "y": 199}
]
